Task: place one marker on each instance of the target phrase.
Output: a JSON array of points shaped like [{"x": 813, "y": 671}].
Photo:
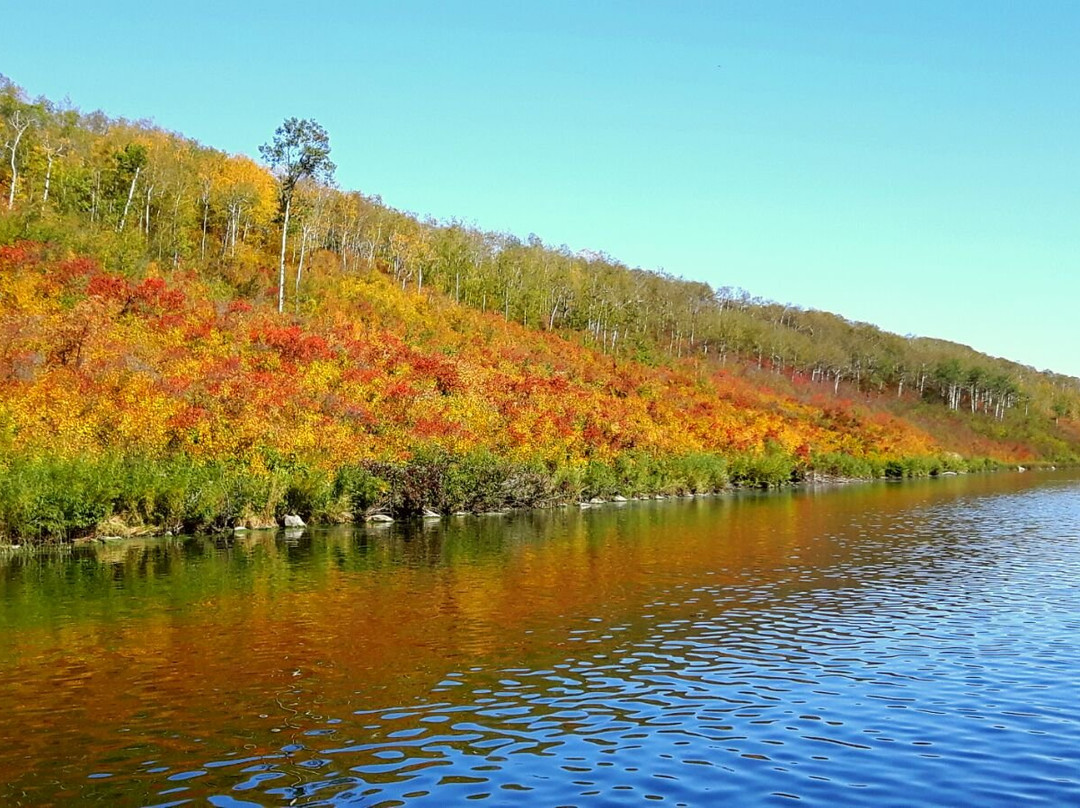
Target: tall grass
[{"x": 53, "y": 499}]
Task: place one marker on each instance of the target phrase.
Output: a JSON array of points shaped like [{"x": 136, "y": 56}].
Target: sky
[{"x": 911, "y": 164}]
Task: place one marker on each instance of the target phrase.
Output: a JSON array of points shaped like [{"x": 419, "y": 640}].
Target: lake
[{"x": 881, "y": 644}]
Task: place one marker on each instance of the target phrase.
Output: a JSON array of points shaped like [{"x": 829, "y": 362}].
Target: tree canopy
[{"x": 300, "y": 148}]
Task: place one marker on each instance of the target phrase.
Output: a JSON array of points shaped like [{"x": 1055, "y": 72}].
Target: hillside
[{"x": 148, "y": 380}]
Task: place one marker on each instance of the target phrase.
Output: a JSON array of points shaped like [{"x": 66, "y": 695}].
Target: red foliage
[
  {"x": 175, "y": 385},
  {"x": 399, "y": 389},
  {"x": 442, "y": 370},
  {"x": 197, "y": 331},
  {"x": 188, "y": 418},
  {"x": 155, "y": 293},
  {"x": 293, "y": 344},
  {"x": 433, "y": 427},
  {"x": 21, "y": 253},
  {"x": 76, "y": 268},
  {"x": 361, "y": 375},
  {"x": 109, "y": 287},
  {"x": 169, "y": 321},
  {"x": 151, "y": 295},
  {"x": 217, "y": 380}
]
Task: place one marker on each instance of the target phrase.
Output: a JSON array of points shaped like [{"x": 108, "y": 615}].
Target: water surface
[{"x": 878, "y": 644}]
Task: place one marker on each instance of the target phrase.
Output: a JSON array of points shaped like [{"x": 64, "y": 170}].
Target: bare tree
[{"x": 19, "y": 122}]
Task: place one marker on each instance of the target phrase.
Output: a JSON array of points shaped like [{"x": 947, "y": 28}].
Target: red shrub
[
  {"x": 441, "y": 370},
  {"x": 76, "y": 268},
  {"x": 109, "y": 287},
  {"x": 293, "y": 344},
  {"x": 155, "y": 293},
  {"x": 21, "y": 253}
]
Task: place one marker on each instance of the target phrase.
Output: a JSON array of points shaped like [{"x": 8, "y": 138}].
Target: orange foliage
[{"x": 92, "y": 362}]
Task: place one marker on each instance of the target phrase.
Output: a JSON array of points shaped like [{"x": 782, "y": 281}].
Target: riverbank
[{"x": 46, "y": 500}]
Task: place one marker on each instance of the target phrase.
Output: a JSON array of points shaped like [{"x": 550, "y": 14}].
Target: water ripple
[{"x": 926, "y": 656}]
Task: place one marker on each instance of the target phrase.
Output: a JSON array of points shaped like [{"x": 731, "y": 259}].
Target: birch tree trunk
[
  {"x": 50, "y": 156},
  {"x": 300, "y": 271},
  {"x": 205, "y": 216},
  {"x": 127, "y": 205},
  {"x": 20, "y": 126},
  {"x": 281, "y": 268}
]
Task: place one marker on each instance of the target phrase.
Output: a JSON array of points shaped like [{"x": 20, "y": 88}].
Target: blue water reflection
[{"x": 918, "y": 655}]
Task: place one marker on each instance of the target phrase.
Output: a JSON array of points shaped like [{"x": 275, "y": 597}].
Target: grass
[{"x": 44, "y": 499}]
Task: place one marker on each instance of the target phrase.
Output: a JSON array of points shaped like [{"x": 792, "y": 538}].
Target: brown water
[{"x": 877, "y": 644}]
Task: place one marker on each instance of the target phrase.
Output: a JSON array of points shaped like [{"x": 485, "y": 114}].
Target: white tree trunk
[
  {"x": 300, "y": 271},
  {"x": 20, "y": 126},
  {"x": 48, "y": 179},
  {"x": 146, "y": 223},
  {"x": 205, "y": 215},
  {"x": 281, "y": 268},
  {"x": 127, "y": 205}
]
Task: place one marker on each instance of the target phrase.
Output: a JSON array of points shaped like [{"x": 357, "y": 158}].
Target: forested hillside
[{"x": 156, "y": 372}]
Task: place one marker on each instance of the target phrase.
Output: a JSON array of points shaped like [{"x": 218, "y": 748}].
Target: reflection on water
[{"x": 878, "y": 644}]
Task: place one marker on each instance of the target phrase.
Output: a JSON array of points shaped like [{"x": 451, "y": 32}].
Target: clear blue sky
[{"x": 912, "y": 164}]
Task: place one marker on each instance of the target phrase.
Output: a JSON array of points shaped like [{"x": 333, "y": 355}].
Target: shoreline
[{"x": 376, "y": 518}]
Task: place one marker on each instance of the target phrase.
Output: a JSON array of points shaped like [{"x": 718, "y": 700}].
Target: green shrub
[
  {"x": 527, "y": 485},
  {"x": 697, "y": 473},
  {"x": 599, "y": 480},
  {"x": 358, "y": 487},
  {"x": 568, "y": 482},
  {"x": 44, "y": 499},
  {"x": 766, "y": 470},
  {"x": 635, "y": 473},
  {"x": 474, "y": 482},
  {"x": 436, "y": 479},
  {"x": 846, "y": 466},
  {"x": 309, "y": 493}
]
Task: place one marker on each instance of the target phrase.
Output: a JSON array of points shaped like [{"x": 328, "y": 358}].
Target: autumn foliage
[
  {"x": 165, "y": 368},
  {"x": 93, "y": 362}
]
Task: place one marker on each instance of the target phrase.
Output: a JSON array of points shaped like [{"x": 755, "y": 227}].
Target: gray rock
[
  {"x": 380, "y": 517},
  {"x": 597, "y": 501},
  {"x": 430, "y": 514},
  {"x": 292, "y": 520},
  {"x": 618, "y": 498}
]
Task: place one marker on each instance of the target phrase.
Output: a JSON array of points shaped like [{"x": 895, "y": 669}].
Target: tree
[
  {"x": 17, "y": 117},
  {"x": 130, "y": 161},
  {"x": 300, "y": 148},
  {"x": 1061, "y": 409}
]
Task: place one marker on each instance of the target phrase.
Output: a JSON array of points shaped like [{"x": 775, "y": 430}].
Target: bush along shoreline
[{"x": 55, "y": 500}]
